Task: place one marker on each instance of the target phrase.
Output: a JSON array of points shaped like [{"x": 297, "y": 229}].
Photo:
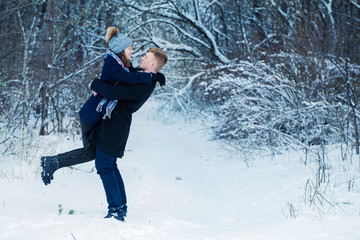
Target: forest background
[{"x": 263, "y": 75}]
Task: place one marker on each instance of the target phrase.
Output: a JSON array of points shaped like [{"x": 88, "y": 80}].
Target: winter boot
[
  {"x": 124, "y": 210},
  {"x": 116, "y": 213},
  {"x": 49, "y": 165}
]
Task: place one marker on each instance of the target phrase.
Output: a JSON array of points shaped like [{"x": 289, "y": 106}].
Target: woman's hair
[
  {"x": 127, "y": 62},
  {"x": 161, "y": 57}
]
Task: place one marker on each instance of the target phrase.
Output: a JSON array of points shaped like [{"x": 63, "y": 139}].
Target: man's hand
[
  {"x": 158, "y": 77},
  {"x": 94, "y": 93}
]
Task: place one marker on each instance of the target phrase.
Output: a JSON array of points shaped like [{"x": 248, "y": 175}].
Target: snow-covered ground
[{"x": 179, "y": 185}]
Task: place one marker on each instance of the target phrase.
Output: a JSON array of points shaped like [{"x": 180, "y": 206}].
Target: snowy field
[{"x": 180, "y": 186}]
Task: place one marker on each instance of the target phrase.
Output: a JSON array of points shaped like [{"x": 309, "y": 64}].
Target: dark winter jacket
[
  {"x": 112, "y": 73},
  {"x": 111, "y": 135}
]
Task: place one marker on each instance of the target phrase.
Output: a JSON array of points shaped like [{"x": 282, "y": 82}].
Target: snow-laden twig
[
  {"x": 179, "y": 28},
  {"x": 190, "y": 83},
  {"x": 195, "y": 22},
  {"x": 263, "y": 41},
  {"x": 73, "y": 236},
  {"x": 166, "y": 45},
  {"x": 78, "y": 71},
  {"x": 355, "y": 4}
]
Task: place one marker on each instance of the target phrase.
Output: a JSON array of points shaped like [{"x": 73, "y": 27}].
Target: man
[{"x": 110, "y": 136}]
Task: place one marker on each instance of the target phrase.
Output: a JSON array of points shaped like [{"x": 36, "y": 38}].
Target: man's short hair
[{"x": 161, "y": 57}]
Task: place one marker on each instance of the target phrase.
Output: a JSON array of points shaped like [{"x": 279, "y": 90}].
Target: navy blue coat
[
  {"x": 111, "y": 135},
  {"x": 112, "y": 73}
]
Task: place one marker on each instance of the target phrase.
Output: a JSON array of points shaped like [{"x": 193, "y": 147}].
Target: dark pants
[
  {"x": 111, "y": 178},
  {"x": 80, "y": 155}
]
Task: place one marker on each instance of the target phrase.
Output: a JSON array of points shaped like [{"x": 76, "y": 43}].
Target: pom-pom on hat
[{"x": 118, "y": 42}]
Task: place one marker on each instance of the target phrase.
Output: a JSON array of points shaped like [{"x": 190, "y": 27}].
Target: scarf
[{"x": 110, "y": 105}]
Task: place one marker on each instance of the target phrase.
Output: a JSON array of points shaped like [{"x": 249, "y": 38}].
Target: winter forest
[{"x": 262, "y": 76}]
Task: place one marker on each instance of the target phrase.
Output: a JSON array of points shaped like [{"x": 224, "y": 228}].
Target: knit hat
[{"x": 118, "y": 42}]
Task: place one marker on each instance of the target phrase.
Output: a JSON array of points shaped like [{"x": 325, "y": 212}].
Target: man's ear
[{"x": 154, "y": 64}]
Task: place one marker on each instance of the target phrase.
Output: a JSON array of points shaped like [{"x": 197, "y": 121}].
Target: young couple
[{"x": 105, "y": 118}]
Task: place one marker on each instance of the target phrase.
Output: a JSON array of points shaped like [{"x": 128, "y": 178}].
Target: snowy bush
[
  {"x": 254, "y": 105},
  {"x": 285, "y": 102}
]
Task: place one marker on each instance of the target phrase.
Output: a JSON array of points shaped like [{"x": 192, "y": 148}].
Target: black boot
[
  {"x": 49, "y": 165},
  {"x": 124, "y": 210},
  {"x": 116, "y": 213}
]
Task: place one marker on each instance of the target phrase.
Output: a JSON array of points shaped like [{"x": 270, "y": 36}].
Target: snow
[{"x": 180, "y": 185}]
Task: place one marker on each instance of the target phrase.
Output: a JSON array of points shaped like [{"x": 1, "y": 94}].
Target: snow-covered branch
[
  {"x": 355, "y": 4},
  {"x": 182, "y": 30},
  {"x": 78, "y": 71},
  {"x": 198, "y": 33}
]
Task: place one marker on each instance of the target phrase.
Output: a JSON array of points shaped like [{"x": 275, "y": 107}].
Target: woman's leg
[
  {"x": 80, "y": 155},
  {"x": 77, "y": 156},
  {"x": 50, "y": 164}
]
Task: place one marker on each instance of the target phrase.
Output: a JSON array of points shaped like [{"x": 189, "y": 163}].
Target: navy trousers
[
  {"x": 80, "y": 155},
  {"x": 111, "y": 178}
]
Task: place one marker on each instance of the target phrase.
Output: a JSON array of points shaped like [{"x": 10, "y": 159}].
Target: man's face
[{"x": 148, "y": 62}]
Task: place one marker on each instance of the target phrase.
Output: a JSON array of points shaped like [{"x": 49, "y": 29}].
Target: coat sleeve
[
  {"x": 113, "y": 71},
  {"x": 138, "y": 92}
]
